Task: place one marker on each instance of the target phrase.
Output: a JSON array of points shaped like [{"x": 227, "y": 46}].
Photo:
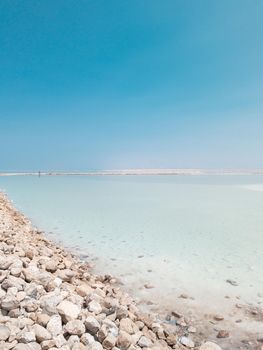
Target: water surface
[{"x": 178, "y": 233}]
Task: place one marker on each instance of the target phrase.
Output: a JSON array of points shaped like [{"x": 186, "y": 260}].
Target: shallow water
[{"x": 179, "y": 233}]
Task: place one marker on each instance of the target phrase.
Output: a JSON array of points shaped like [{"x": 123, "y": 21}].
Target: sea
[{"x": 165, "y": 238}]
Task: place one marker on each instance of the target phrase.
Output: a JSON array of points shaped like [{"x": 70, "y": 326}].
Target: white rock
[
  {"x": 95, "y": 346},
  {"x": 75, "y": 327},
  {"x": 21, "y": 346},
  {"x": 66, "y": 275},
  {"x": 54, "y": 325},
  {"x": 92, "y": 324},
  {"x": 51, "y": 266},
  {"x": 9, "y": 303},
  {"x": 124, "y": 340},
  {"x": 5, "y": 262},
  {"x": 41, "y": 333},
  {"x": 60, "y": 341},
  {"x": 109, "y": 342},
  {"x": 4, "y": 332},
  {"x": 68, "y": 310},
  {"x": 186, "y": 342},
  {"x": 127, "y": 325},
  {"x": 87, "y": 339},
  {"x": 49, "y": 302},
  {"x": 210, "y": 346},
  {"x": 95, "y": 307},
  {"x": 73, "y": 339},
  {"x": 144, "y": 342},
  {"x": 26, "y": 336}
]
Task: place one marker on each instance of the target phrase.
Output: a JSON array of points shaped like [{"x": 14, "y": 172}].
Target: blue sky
[{"x": 130, "y": 84}]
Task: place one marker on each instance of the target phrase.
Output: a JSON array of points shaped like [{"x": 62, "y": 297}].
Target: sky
[{"x": 117, "y": 84}]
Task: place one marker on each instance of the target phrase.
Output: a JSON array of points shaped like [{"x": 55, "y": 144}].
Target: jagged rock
[
  {"x": 187, "y": 342},
  {"x": 144, "y": 342},
  {"x": 66, "y": 275},
  {"x": 60, "y": 341},
  {"x": 54, "y": 325},
  {"x": 68, "y": 311},
  {"x": 49, "y": 302},
  {"x": 75, "y": 327},
  {"x": 41, "y": 333},
  {"x": 9, "y": 303},
  {"x": 84, "y": 290},
  {"x": 92, "y": 325},
  {"x": 109, "y": 342},
  {"x": 73, "y": 339},
  {"x": 123, "y": 340},
  {"x": 95, "y": 307},
  {"x": 13, "y": 281},
  {"x": 43, "y": 319},
  {"x": 87, "y": 339},
  {"x": 26, "y": 336},
  {"x": 127, "y": 325},
  {"x": 48, "y": 344},
  {"x": 5, "y": 262}
]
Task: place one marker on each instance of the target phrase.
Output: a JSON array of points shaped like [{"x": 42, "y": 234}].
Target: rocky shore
[{"x": 50, "y": 299}]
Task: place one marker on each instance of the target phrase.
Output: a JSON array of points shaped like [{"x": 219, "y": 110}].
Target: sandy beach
[{"x": 50, "y": 299}]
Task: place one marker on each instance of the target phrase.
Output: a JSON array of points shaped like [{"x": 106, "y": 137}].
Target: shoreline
[
  {"x": 39, "y": 253},
  {"x": 141, "y": 172}
]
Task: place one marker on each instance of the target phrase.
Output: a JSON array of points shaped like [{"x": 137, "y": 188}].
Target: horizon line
[{"x": 141, "y": 171}]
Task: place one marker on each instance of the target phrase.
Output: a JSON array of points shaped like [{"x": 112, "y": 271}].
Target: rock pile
[{"x": 50, "y": 300}]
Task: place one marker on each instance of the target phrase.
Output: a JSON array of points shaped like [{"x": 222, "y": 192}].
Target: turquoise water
[{"x": 179, "y": 233}]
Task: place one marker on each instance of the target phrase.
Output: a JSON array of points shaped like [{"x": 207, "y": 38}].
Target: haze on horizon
[{"x": 140, "y": 84}]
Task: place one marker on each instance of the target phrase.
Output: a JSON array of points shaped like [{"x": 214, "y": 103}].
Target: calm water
[{"x": 179, "y": 233}]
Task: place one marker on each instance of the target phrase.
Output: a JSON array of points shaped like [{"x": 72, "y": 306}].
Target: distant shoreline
[{"x": 140, "y": 172}]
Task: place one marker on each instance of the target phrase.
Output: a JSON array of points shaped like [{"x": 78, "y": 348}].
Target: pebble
[
  {"x": 232, "y": 282},
  {"x": 218, "y": 318},
  {"x": 222, "y": 334}
]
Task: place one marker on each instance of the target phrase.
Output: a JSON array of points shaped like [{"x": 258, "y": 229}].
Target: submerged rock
[
  {"x": 222, "y": 334},
  {"x": 232, "y": 282}
]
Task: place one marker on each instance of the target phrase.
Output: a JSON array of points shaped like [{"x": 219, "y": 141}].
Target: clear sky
[{"x": 130, "y": 84}]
